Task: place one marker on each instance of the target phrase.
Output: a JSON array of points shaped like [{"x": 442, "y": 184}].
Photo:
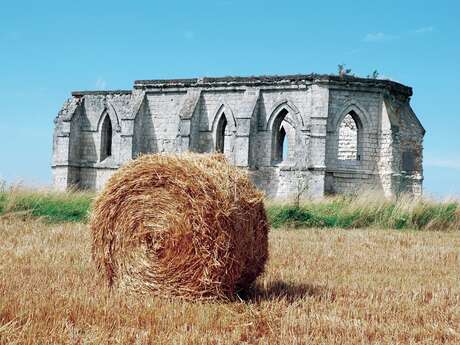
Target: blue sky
[{"x": 49, "y": 48}]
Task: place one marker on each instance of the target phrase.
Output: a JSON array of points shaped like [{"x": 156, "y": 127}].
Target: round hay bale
[{"x": 191, "y": 226}]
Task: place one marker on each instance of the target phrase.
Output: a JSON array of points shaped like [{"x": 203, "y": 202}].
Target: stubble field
[{"x": 321, "y": 286}]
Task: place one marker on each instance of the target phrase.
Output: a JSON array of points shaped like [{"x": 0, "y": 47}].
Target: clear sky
[{"x": 49, "y": 48}]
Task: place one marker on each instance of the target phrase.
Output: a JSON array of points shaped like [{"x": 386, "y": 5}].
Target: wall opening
[
  {"x": 280, "y": 132},
  {"x": 349, "y": 137},
  {"x": 106, "y": 138},
  {"x": 220, "y": 134},
  {"x": 408, "y": 162},
  {"x": 283, "y": 145}
]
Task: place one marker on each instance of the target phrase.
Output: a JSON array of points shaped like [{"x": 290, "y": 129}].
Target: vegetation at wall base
[
  {"x": 366, "y": 210},
  {"x": 52, "y": 206}
]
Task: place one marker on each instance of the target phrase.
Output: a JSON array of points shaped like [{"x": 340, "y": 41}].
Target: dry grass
[{"x": 320, "y": 287}]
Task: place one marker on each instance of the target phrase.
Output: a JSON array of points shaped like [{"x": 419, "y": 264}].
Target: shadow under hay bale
[
  {"x": 280, "y": 290},
  {"x": 191, "y": 226}
]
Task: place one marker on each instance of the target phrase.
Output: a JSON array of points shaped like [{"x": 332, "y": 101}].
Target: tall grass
[
  {"x": 368, "y": 210},
  {"x": 52, "y": 206},
  {"x": 362, "y": 211}
]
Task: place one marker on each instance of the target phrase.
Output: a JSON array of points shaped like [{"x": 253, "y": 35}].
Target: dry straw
[{"x": 191, "y": 226}]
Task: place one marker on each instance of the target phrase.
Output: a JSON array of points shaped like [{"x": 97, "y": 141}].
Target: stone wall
[{"x": 342, "y": 134}]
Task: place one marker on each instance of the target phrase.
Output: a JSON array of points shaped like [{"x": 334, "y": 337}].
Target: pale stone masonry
[{"x": 310, "y": 134}]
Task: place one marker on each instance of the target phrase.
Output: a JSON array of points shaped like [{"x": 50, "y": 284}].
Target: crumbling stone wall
[
  {"x": 410, "y": 156},
  {"x": 342, "y": 133},
  {"x": 363, "y": 103}
]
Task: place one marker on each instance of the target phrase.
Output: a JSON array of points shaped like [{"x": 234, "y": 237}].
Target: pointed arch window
[
  {"x": 106, "y": 138},
  {"x": 282, "y": 143},
  {"x": 349, "y": 143},
  {"x": 221, "y": 133},
  {"x": 280, "y": 138}
]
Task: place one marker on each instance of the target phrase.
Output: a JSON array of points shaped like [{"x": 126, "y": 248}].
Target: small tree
[
  {"x": 302, "y": 187},
  {"x": 343, "y": 71},
  {"x": 375, "y": 74}
]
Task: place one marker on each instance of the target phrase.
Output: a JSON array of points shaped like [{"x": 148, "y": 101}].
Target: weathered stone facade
[{"x": 313, "y": 134}]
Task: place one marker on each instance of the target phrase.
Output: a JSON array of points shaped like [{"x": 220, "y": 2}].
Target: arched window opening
[
  {"x": 285, "y": 146},
  {"x": 106, "y": 138},
  {"x": 281, "y": 129},
  {"x": 220, "y": 134},
  {"x": 282, "y": 143},
  {"x": 349, "y": 136}
]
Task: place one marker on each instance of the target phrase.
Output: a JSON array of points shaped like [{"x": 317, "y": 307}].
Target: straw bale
[{"x": 180, "y": 225}]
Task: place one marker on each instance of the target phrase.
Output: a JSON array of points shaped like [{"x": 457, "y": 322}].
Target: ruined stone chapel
[{"x": 311, "y": 134}]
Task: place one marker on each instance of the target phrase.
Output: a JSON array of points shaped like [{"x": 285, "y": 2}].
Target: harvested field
[{"x": 320, "y": 287}]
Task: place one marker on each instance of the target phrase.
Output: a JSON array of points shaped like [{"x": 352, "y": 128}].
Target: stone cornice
[
  {"x": 332, "y": 81},
  {"x": 276, "y": 80},
  {"x": 100, "y": 93}
]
